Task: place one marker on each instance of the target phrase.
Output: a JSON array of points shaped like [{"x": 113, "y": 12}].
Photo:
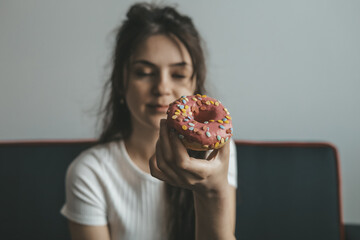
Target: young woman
[{"x": 140, "y": 182}]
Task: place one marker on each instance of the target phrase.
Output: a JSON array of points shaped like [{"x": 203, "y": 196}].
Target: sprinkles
[{"x": 190, "y": 116}]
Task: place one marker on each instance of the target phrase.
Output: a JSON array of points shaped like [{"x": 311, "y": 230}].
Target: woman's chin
[{"x": 154, "y": 122}]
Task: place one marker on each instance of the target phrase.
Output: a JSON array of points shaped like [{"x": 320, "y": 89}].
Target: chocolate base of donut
[{"x": 199, "y": 147}]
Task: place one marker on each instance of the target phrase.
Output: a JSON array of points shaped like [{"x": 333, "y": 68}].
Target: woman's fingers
[
  {"x": 173, "y": 164},
  {"x": 199, "y": 168},
  {"x": 172, "y": 177},
  {"x": 159, "y": 170},
  {"x": 224, "y": 153},
  {"x": 158, "y": 166},
  {"x": 164, "y": 141},
  {"x": 170, "y": 156},
  {"x": 165, "y": 159},
  {"x": 181, "y": 156},
  {"x": 154, "y": 169}
]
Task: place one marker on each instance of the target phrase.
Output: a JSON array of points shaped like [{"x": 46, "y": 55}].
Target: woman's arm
[
  {"x": 85, "y": 232},
  {"x": 215, "y": 214}
]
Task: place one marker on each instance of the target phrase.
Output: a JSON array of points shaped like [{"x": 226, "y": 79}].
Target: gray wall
[{"x": 286, "y": 70}]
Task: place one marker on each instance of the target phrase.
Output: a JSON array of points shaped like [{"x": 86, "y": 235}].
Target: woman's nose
[{"x": 162, "y": 84}]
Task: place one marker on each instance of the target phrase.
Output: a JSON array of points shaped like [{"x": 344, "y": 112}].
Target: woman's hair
[{"x": 144, "y": 20}]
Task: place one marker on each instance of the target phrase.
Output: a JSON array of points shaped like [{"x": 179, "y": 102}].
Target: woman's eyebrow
[
  {"x": 145, "y": 62},
  {"x": 184, "y": 64}
]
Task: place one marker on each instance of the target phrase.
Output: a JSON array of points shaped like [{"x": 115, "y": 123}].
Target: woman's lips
[{"x": 158, "y": 108}]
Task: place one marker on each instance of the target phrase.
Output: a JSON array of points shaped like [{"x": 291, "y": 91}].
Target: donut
[{"x": 201, "y": 122}]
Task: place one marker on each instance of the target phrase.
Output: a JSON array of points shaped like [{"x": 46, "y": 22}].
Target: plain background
[{"x": 286, "y": 70}]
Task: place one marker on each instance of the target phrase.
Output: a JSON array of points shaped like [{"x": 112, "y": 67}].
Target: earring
[{"x": 122, "y": 101}]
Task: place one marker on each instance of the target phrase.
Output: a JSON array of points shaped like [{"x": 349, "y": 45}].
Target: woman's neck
[{"x": 141, "y": 146}]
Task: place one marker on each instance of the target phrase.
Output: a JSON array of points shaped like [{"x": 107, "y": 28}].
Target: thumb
[{"x": 224, "y": 152}]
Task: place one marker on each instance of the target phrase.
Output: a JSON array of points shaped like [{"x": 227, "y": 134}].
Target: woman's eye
[
  {"x": 178, "y": 76},
  {"x": 144, "y": 74}
]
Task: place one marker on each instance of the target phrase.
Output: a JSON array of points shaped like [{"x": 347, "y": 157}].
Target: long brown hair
[{"x": 144, "y": 20}]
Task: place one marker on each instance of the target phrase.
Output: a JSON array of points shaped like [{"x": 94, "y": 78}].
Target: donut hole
[{"x": 206, "y": 115}]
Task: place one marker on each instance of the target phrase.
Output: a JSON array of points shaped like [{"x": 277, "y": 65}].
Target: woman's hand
[
  {"x": 172, "y": 164},
  {"x": 214, "y": 198}
]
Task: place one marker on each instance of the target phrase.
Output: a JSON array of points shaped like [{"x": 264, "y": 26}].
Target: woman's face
[{"x": 160, "y": 72}]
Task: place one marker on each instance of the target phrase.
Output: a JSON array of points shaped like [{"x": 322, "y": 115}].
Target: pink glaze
[{"x": 204, "y": 121}]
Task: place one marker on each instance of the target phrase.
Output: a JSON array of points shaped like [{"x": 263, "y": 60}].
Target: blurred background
[{"x": 287, "y": 70}]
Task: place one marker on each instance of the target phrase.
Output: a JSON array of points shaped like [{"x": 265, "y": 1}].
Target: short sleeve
[
  {"x": 232, "y": 173},
  {"x": 85, "y": 200}
]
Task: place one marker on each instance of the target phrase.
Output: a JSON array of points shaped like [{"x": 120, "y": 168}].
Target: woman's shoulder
[{"x": 96, "y": 157}]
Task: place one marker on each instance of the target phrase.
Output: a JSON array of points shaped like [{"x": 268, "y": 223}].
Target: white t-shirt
[{"x": 104, "y": 186}]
